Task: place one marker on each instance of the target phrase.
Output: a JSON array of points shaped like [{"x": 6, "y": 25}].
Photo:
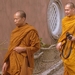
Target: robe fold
[
  {"x": 68, "y": 25},
  {"x": 22, "y": 63}
]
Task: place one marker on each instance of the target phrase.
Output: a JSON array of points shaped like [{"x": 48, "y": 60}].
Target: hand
[
  {"x": 58, "y": 46},
  {"x": 4, "y": 68},
  {"x": 19, "y": 49},
  {"x": 73, "y": 38}
]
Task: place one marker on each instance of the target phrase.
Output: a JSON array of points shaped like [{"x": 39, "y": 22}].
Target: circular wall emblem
[{"x": 54, "y": 19}]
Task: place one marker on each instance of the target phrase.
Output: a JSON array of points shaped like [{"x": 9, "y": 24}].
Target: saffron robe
[
  {"x": 22, "y": 63},
  {"x": 68, "y": 25}
]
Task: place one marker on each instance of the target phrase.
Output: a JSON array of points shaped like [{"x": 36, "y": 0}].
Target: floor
[{"x": 59, "y": 72}]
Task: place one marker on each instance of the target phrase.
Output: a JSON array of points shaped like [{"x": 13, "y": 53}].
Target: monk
[
  {"x": 68, "y": 25},
  {"x": 24, "y": 42}
]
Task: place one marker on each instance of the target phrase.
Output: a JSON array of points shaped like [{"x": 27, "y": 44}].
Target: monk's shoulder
[{"x": 64, "y": 18}]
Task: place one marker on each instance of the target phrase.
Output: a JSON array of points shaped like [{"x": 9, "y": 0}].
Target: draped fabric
[
  {"x": 68, "y": 25},
  {"x": 22, "y": 63}
]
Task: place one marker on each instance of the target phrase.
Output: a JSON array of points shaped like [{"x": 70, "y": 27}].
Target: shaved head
[
  {"x": 21, "y": 13},
  {"x": 71, "y": 5},
  {"x": 19, "y": 18},
  {"x": 69, "y": 9}
]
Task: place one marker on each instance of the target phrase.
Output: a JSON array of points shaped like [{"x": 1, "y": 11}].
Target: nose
[
  {"x": 66, "y": 12},
  {"x": 15, "y": 20}
]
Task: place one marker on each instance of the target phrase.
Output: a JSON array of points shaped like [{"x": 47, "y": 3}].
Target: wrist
[{"x": 24, "y": 49}]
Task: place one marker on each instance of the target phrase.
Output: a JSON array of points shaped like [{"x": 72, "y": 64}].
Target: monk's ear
[
  {"x": 24, "y": 18},
  {"x": 73, "y": 9}
]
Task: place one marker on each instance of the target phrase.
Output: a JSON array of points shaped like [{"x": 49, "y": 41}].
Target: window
[{"x": 54, "y": 19}]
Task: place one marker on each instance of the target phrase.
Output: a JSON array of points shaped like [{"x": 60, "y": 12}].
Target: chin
[{"x": 68, "y": 15}]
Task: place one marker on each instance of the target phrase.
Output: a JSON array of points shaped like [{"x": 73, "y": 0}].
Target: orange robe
[
  {"x": 68, "y": 25},
  {"x": 23, "y": 63}
]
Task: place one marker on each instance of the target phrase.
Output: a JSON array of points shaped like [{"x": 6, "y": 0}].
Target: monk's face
[
  {"x": 68, "y": 10},
  {"x": 18, "y": 20}
]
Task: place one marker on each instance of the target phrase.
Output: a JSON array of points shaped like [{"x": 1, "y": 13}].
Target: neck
[{"x": 22, "y": 24}]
